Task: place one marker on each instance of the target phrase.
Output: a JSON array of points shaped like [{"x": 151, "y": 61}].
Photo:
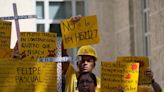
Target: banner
[
  {"x": 82, "y": 32},
  {"x": 143, "y": 63},
  {"x": 30, "y": 76},
  {"x": 5, "y": 36},
  {"x": 37, "y": 45},
  {"x": 119, "y": 75}
]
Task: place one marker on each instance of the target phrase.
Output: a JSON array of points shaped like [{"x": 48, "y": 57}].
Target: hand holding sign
[
  {"x": 76, "y": 18},
  {"x": 148, "y": 73}
]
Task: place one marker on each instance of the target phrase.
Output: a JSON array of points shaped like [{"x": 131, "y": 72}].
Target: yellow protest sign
[
  {"x": 37, "y": 45},
  {"x": 119, "y": 75},
  {"x": 143, "y": 63},
  {"x": 83, "y": 32},
  {"x": 5, "y": 53},
  {"x": 5, "y": 35},
  {"x": 28, "y": 76}
]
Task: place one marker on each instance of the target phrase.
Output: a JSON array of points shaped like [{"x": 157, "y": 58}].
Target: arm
[
  {"x": 156, "y": 86},
  {"x": 65, "y": 65}
]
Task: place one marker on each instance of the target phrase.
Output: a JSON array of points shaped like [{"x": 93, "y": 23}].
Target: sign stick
[{"x": 17, "y": 24}]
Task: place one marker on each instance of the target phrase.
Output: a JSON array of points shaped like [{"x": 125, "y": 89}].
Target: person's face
[
  {"x": 86, "y": 64},
  {"x": 86, "y": 84}
]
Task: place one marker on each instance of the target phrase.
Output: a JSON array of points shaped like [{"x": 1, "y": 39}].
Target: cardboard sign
[
  {"x": 119, "y": 75},
  {"x": 28, "y": 76},
  {"x": 5, "y": 53},
  {"x": 35, "y": 45},
  {"x": 143, "y": 63},
  {"x": 5, "y": 36},
  {"x": 82, "y": 32}
]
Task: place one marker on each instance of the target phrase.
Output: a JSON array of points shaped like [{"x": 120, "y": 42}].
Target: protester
[
  {"x": 154, "y": 84},
  {"x": 153, "y": 87},
  {"x": 86, "y": 62},
  {"x": 86, "y": 82}
]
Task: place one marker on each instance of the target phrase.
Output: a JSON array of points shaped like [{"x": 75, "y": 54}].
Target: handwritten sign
[
  {"x": 5, "y": 34},
  {"x": 35, "y": 45},
  {"x": 5, "y": 53},
  {"x": 28, "y": 76},
  {"x": 143, "y": 63},
  {"x": 83, "y": 32},
  {"x": 119, "y": 75}
]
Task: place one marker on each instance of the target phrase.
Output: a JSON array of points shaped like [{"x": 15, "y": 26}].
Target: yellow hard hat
[{"x": 87, "y": 50}]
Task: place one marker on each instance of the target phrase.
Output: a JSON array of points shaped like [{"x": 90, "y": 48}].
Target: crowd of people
[{"x": 85, "y": 80}]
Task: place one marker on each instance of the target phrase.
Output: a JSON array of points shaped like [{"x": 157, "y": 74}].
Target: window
[
  {"x": 50, "y": 12},
  {"x": 80, "y": 8},
  {"x": 40, "y": 9},
  {"x": 40, "y": 27},
  {"x": 56, "y": 29},
  {"x": 60, "y": 10}
]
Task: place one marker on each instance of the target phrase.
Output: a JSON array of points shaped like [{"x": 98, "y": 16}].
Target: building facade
[{"x": 131, "y": 27}]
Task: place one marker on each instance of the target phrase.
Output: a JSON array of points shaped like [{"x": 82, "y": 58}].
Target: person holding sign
[
  {"x": 86, "y": 62},
  {"x": 86, "y": 82},
  {"x": 156, "y": 87},
  {"x": 146, "y": 75},
  {"x": 153, "y": 87}
]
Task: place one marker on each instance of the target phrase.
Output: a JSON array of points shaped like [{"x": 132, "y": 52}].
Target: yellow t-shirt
[{"x": 71, "y": 80}]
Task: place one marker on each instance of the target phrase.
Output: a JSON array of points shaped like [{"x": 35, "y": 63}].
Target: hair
[{"x": 92, "y": 75}]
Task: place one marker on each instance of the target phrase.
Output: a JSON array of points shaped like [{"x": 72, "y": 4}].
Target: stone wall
[
  {"x": 122, "y": 31},
  {"x": 156, "y": 18}
]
